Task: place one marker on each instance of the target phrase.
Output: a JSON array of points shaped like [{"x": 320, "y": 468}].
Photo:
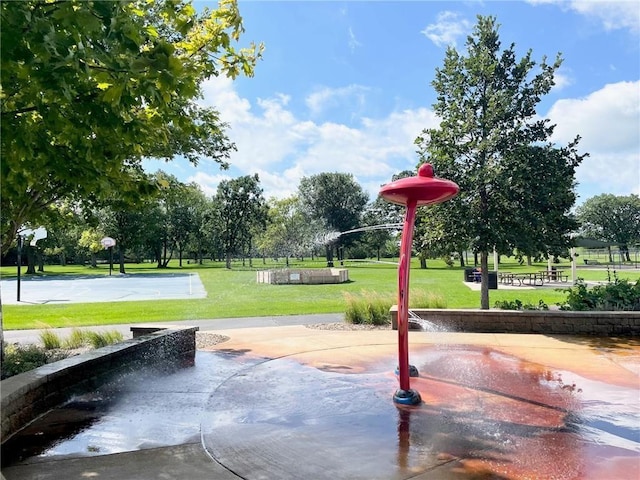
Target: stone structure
[
  {"x": 529, "y": 321},
  {"x": 310, "y": 276}
]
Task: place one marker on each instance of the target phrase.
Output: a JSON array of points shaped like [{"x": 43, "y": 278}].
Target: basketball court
[{"x": 116, "y": 288}]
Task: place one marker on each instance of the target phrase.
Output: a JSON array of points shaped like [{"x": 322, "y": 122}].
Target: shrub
[
  {"x": 518, "y": 305},
  {"x": 19, "y": 358},
  {"x": 102, "y": 339},
  {"x": 372, "y": 308},
  {"x": 619, "y": 295},
  {"x": 22, "y": 358},
  {"x": 368, "y": 308},
  {"x": 50, "y": 339},
  {"x": 77, "y": 339}
]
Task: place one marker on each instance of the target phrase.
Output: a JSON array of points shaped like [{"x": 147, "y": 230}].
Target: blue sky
[{"x": 346, "y": 87}]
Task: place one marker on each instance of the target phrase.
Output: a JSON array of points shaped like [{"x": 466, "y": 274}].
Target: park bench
[{"x": 591, "y": 262}]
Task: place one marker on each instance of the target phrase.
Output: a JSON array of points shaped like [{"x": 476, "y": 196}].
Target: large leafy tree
[
  {"x": 179, "y": 209},
  {"x": 288, "y": 232},
  {"x": 611, "y": 218},
  {"x": 486, "y": 100},
  {"x": 335, "y": 200},
  {"x": 540, "y": 187},
  {"x": 90, "y": 88},
  {"x": 240, "y": 209}
]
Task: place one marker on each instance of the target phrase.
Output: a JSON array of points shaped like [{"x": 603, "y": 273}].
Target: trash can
[
  {"x": 493, "y": 280},
  {"x": 468, "y": 274}
]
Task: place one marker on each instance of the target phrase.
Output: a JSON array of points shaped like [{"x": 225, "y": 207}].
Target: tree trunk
[
  {"x": 31, "y": 262},
  {"x": 121, "y": 259},
  {"x": 40, "y": 257},
  {"x": 228, "y": 260},
  {"x": 329, "y": 250},
  {"x": 461, "y": 259},
  {"x": 423, "y": 263},
  {"x": 484, "y": 286},
  {"x": 94, "y": 260}
]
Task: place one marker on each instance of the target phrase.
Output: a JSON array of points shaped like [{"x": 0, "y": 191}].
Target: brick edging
[{"x": 529, "y": 321}]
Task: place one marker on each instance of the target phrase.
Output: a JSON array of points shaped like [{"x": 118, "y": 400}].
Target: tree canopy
[
  {"x": 240, "y": 207},
  {"x": 486, "y": 100},
  {"x": 335, "y": 200},
  {"x": 611, "y": 218},
  {"x": 89, "y": 89}
]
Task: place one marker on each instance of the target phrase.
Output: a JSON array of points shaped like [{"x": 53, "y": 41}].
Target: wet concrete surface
[{"x": 293, "y": 403}]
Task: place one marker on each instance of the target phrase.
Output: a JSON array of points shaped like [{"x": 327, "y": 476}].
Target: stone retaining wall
[
  {"x": 30, "y": 394},
  {"x": 529, "y": 321},
  {"x": 309, "y": 276}
]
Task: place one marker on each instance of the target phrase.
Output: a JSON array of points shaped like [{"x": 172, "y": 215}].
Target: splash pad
[
  {"x": 493, "y": 406},
  {"x": 294, "y": 402}
]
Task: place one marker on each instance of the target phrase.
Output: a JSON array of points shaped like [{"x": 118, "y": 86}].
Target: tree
[
  {"x": 131, "y": 226},
  {"x": 381, "y": 214},
  {"x": 611, "y": 218},
  {"x": 178, "y": 209},
  {"x": 287, "y": 233},
  {"x": 487, "y": 102},
  {"x": 90, "y": 242},
  {"x": 240, "y": 207},
  {"x": 337, "y": 201},
  {"x": 89, "y": 89},
  {"x": 544, "y": 219}
]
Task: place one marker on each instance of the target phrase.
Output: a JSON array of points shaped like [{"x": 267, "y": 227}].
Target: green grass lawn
[{"x": 235, "y": 293}]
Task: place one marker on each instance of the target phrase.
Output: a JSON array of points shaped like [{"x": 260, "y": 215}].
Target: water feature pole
[{"x": 412, "y": 192}]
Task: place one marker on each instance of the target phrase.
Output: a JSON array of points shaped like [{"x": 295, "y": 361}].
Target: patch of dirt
[
  {"x": 347, "y": 326},
  {"x": 205, "y": 340}
]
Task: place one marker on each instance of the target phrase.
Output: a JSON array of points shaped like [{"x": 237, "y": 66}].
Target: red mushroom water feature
[{"x": 412, "y": 192}]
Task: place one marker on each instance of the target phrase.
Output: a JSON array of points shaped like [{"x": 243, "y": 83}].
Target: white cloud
[
  {"x": 283, "y": 148},
  {"x": 608, "y": 120},
  {"x": 325, "y": 98},
  {"x": 614, "y": 15},
  {"x": 207, "y": 182},
  {"x": 447, "y": 29},
  {"x": 562, "y": 80},
  {"x": 353, "y": 41}
]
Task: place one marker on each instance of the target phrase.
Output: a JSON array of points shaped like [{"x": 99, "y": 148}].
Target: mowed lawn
[{"x": 235, "y": 293}]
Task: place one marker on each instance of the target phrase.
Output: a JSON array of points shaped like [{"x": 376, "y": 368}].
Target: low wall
[
  {"x": 528, "y": 321},
  {"x": 310, "y": 276},
  {"x": 31, "y": 394}
]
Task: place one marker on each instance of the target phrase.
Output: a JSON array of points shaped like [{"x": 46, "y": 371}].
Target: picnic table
[
  {"x": 554, "y": 275},
  {"x": 532, "y": 278},
  {"x": 506, "y": 278}
]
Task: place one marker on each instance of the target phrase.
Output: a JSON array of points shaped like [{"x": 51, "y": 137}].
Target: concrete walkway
[
  {"x": 291, "y": 402},
  {"x": 33, "y": 336}
]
